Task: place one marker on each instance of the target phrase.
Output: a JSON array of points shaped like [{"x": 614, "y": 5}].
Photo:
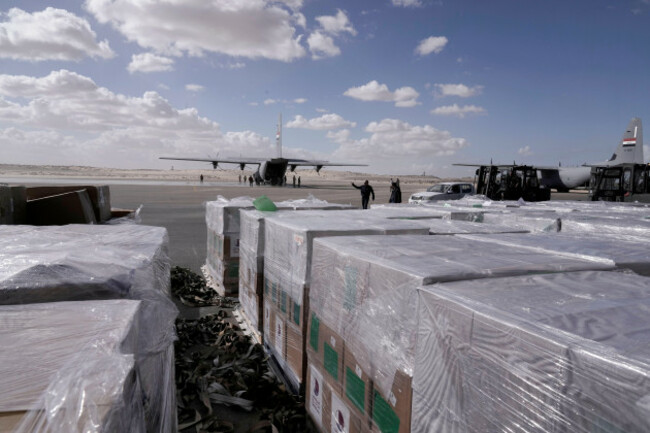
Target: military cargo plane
[{"x": 270, "y": 171}]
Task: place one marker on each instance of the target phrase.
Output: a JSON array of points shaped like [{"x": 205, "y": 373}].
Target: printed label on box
[
  {"x": 340, "y": 416},
  {"x": 279, "y": 336},
  {"x": 316, "y": 395},
  {"x": 267, "y": 319}
]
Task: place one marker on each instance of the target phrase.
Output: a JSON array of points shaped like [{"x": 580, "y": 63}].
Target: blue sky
[{"x": 406, "y": 86}]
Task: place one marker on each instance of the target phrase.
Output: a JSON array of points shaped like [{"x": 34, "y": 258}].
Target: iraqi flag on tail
[{"x": 629, "y": 142}]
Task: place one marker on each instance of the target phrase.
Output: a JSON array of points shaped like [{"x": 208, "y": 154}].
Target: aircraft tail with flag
[{"x": 630, "y": 148}]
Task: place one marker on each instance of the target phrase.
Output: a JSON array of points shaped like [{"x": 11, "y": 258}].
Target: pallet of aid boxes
[
  {"x": 65, "y": 280},
  {"x": 287, "y": 272},
  {"x": 363, "y": 298},
  {"x": 251, "y": 253}
]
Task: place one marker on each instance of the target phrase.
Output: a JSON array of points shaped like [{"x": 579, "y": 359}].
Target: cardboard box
[
  {"x": 325, "y": 347},
  {"x": 68, "y": 208},
  {"x": 227, "y": 245},
  {"x": 100, "y": 197},
  {"x": 392, "y": 413},
  {"x": 296, "y": 355},
  {"x": 268, "y": 323}
]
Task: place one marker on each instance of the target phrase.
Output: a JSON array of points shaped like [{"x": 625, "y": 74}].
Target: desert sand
[{"x": 32, "y": 173}]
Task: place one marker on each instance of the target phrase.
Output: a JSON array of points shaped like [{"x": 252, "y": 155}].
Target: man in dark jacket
[{"x": 366, "y": 190}]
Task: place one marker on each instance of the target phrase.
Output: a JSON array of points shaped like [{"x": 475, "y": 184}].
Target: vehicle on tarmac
[{"x": 443, "y": 191}]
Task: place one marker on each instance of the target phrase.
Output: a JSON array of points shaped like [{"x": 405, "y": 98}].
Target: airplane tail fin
[
  {"x": 278, "y": 138},
  {"x": 630, "y": 148}
]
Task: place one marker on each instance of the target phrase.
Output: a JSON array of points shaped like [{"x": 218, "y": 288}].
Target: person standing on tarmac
[
  {"x": 395, "y": 192},
  {"x": 366, "y": 190}
]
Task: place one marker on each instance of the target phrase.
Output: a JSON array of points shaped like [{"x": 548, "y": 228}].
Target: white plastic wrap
[
  {"x": 288, "y": 240},
  {"x": 363, "y": 287},
  {"x": 222, "y": 215},
  {"x": 251, "y": 223},
  {"x": 83, "y": 263},
  {"x": 65, "y": 366},
  {"x": 545, "y": 353},
  {"x": 624, "y": 253}
]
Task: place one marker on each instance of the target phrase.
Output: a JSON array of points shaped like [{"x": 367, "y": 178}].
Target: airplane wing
[
  {"x": 219, "y": 160},
  {"x": 488, "y": 165},
  {"x": 316, "y": 163}
]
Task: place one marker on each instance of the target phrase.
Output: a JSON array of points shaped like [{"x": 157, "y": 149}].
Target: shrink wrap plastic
[
  {"x": 413, "y": 211},
  {"x": 288, "y": 241},
  {"x": 547, "y": 353},
  {"x": 624, "y": 253},
  {"x": 67, "y": 367},
  {"x": 85, "y": 263},
  {"x": 364, "y": 287}
]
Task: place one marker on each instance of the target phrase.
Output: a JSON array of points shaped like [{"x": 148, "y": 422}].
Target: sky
[{"x": 405, "y": 86}]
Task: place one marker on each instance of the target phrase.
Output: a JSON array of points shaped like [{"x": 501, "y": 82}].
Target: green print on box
[
  {"x": 355, "y": 389},
  {"x": 313, "y": 332},
  {"x": 350, "y": 292},
  {"x": 296, "y": 314},
  {"x": 331, "y": 361},
  {"x": 384, "y": 415}
]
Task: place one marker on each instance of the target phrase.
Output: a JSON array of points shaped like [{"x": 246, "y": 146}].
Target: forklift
[
  {"x": 510, "y": 182},
  {"x": 622, "y": 182}
]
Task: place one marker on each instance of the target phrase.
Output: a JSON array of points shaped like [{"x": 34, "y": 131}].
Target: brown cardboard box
[
  {"x": 357, "y": 383},
  {"x": 392, "y": 413},
  {"x": 100, "y": 197},
  {"x": 279, "y": 336},
  {"x": 325, "y": 347},
  {"x": 296, "y": 356},
  {"x": 227, "y": 246},
  {"x": 67, "y": 208},
  {"x": 299, "y": 313}
]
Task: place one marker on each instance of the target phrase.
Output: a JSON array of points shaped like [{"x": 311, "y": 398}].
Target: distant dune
[{"x": 220, "y": 175}]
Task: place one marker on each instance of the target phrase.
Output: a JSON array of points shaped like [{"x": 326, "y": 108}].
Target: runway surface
[{"x": 180, "y": 207}]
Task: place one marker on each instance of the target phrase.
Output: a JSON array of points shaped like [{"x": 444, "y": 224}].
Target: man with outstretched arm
[{"x": 366, "y": 190}]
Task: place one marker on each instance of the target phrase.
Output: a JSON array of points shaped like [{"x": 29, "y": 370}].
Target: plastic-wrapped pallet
[
  {"x": 363, "y": 299},
  {"x": 83, "y": 263},
  {"x": 412, "y": 211},
  {"x": 222, "y": 221},
  {"x": 251, "y": 252},
  {"x": 65, "y": 367},
  {"x": 546, "y": 353},
  {"x": 287, "y": 265},
  {"x": 624, "y": 253}
]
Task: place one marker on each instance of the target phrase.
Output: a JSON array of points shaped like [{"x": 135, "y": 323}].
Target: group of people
[{"x": 366, "y": 191}]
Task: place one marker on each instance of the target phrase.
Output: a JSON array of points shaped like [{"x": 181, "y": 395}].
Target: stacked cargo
[
  {"x": 287, "y": 273},
  {"x": 565, "y": 352},
  {"x": 251, "y": 253},
  {"x": 50, "y": 266},
  {"x": 362, "y": 326},
  {"x": 222, "y": 221},
  {"x": 65, "y": 366}
]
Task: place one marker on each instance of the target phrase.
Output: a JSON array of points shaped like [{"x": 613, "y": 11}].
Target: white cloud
[
  {"x": 432, "y": 44},
  {"x": 325, "y": 122},
  {"x": 525, "y": 151},
  {"x": 392, "y": 138},
  {"x": 51, "y": 34},
  {"x": 194, "y": 87},
  {"x": 456, "y": 110},
  {"x": 321, "y": 46},
  {"x": 459, "y": 90},
  {"x": 300, "y": 100},
  {"x": 407, "y": 3},
  {"x": 148, "y": 62},
  {"x": 373, "y": 91},
  {"x": 242, "y": 28},
  {"x": 269, "y": 101},
  {"x": 66, "y": 118},
  {"x": 336, "y": 24}
]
